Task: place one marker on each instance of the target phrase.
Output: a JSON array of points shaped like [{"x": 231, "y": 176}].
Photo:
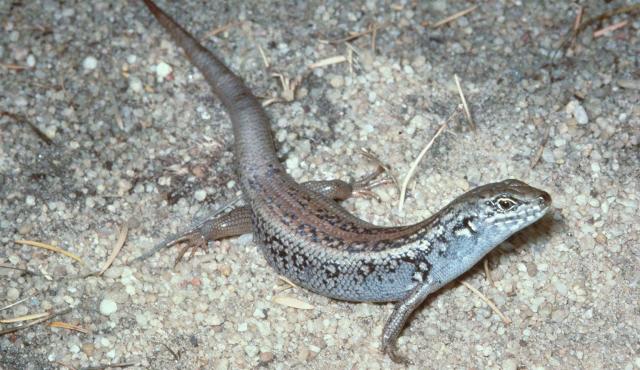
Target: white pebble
[
  {"x": 31, "y": 61},
  {"x": 577, "y": 111},
  {"x": 215, "y": 320},
  {"x": 200, "y": 195},
  {"x": 108, "y": 307},
  {"x": 89, "y": 63},
  {"x": 163, "y": 70},
  {"x": 132, "y": 58},
  {"x": 251, "y": 350},
  {"x": 12, "y": 294},
  {"x": 135, "y": 84},
  {"x": 259, "y": 313},
  {"x": 30, "y": 200}
]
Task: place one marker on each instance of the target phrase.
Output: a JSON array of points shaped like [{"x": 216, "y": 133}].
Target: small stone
[
  {"x": 225, "y": 270},
  {"x": 200, "y": 195},
  {"x": 251, "y": 350},
  {"x": 135, "y": 84},
  {"x": 509, "y": 364},
  {"x": 259, "y": 313},
  {"x": 89, "y": 63},
  {"x": 88, "y": 349},
  {"x": 581, "y": 200},
  {"x": 337, "y": 81},
  {"x": 601, "y": 238},
  {"x": 266, "y": 357},
  {"x": 31, "y": 61},
  {"x": 163, "y": 70},
  {"x": 12, "y": 294},
  {"x": 108, "y": 307},
  {"x": 30, "y": 200},
  {"x": 215, "y": 320},
  {"x": 577, "y": 111}
]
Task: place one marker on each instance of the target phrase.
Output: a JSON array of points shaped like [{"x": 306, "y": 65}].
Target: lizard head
[
  {"x": 487, "y": 215},
  {"x": 498, "y": 210}
]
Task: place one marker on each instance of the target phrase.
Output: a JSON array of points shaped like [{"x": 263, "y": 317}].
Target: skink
[{"x": 308, "y": 237}]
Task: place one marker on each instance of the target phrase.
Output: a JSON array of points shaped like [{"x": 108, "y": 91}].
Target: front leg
[{"x": 399, "y": 316}]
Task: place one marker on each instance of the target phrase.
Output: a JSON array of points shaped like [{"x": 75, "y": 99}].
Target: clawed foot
[
  {"x": 364, "y": 185},
  {"x": 192, "y": 240}
]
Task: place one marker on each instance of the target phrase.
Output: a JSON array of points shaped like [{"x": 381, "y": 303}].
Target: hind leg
[{"x": 238, "y": 221}]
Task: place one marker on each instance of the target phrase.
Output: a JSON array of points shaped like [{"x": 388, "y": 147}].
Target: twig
[
  {"x": 575, "y": 31},
  {"x": 106, "y": 366},
  {"x": 13, "y": 67},
  {"x": 34, "y": 273},
  {"x": 328, "y": 61},
  {"x": 13, "y": 304},
  {"x": 219, "y": 30},
  {"x": 29, "y": 317},
  {"x": 487, "y": 272},
  {"x": 454, "y": 16},
  {"x": 36, "y": 322},
  {"x": 467, "y": 113},
  {"x": 538, "y": 155},
  {"x": 414, "y": 165},
  {"x": 265, "y": 61},
  {"x": 577, "y": 22},
  {"x": 52, "y": 248},
  {"x": 65, "y": 325},
  {"x": 610, "y": 28},
  {"x": 373, "y": 29},
  {"x": 176, "y": 356},
  {"x": 20, "y": 118},
  {"x": 122, "y": 237},
  {"x": 486, "y": 300}
]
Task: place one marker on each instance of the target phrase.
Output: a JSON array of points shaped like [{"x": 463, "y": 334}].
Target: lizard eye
[{"x": 505, "y": 204}]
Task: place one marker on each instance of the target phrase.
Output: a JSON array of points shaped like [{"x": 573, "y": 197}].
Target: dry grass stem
[
  {"x": 52, "y": 248},
  {"x": 122, "y": 237},
  {"x": 486, "y": 300},
  {"x": 467, "y": 113},
  {"x": 455, "y": 16},
  {"x": 292, "y": 302},
  {"x": 414, "y": 165},
  {"x": 65, "y": 325},
  {"x": 610, "y": 28},
  {"x": 328, "y": 61}
]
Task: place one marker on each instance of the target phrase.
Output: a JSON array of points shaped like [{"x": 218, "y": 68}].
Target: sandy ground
[{"x": 130, "y": 136}]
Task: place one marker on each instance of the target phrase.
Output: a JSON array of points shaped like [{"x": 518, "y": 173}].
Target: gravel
[{"x": 137, "y": 140}]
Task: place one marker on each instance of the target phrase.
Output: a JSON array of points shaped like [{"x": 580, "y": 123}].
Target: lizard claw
[
  {"x": 192, "y": 240},
  {"x": 364, "y": 185}
]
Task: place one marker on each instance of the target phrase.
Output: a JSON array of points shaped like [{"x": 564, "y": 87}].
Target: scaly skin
[{"x": 309, "y": 238}]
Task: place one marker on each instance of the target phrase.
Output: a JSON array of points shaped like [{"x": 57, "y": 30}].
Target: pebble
[
  {"x": 108, "y": 307},
  {"x": 31, "y": 61},
  {"x": 12, "y": 294},
  {"x": 259, "y": 313},
  {"x": 266, "y": 357},
  {"x": 200, "y": 195},
  {"x": 251, "y": 350},
  {"x": 135, "y": 85},
  {"x": 163, "y": 70},
  {"x": 89, "y": 63},
  {"x": 509, "y": 364},
  {"x": 578, "y": 112}
]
